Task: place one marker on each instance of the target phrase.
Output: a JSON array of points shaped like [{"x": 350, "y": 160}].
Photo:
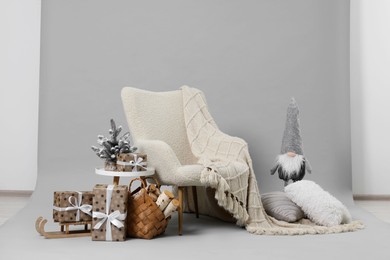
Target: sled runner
[{"x": 64, "y": 232}]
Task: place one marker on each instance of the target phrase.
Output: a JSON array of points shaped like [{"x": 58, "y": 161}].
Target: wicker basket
[{"x": 144, "y": 218}]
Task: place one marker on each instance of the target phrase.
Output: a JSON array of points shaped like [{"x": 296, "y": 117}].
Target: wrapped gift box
[
  {"x": 127, "y": 162},
  {"x": 72, "y": 206},
  {"x": 109, "y": 212}
]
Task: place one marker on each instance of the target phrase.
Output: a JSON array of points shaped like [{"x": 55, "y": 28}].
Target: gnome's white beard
[{"x": 289, "y": 164}]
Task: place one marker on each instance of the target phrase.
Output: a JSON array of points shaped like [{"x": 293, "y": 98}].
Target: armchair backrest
[{"x": 158, "y": 116}]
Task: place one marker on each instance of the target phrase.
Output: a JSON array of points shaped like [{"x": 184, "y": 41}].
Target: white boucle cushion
[{"x": 319, "y": 206}]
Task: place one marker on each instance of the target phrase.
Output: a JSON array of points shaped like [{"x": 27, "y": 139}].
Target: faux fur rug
[{"x": 228, "y": 169}]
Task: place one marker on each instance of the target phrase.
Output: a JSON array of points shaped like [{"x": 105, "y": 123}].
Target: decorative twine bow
[
  {"x": 138, "y": 161},
  {"x": 86, "y": 208},
  {"x": 114, "y": 218}
]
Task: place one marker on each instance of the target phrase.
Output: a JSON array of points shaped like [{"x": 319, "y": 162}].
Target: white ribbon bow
[
  {"x": 138, "y": 161},
  {"x": 86, "y": 208},
  {"x": 114, "y": 218}
]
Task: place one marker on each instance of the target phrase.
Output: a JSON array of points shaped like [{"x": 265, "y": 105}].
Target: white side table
[{"x": 116, "y": 175}]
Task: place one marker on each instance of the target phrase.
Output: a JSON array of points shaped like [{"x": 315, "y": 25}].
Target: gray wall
[{"x": 249, "y": 57}]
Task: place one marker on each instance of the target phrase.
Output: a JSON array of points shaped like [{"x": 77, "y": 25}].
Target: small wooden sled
[{"x": 65, "y": 232}]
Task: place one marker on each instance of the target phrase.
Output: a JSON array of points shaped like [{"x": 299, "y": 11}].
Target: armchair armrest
[{"x": 162, "y": 158}]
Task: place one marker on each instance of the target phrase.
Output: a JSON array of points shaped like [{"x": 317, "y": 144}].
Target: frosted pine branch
[{"x": 111, "y": 147}]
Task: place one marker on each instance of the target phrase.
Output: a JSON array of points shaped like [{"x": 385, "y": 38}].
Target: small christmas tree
[{"x": 111, "y": 147}]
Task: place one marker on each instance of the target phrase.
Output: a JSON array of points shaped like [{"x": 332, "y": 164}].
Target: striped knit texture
[{"x": 228, "y": 168}]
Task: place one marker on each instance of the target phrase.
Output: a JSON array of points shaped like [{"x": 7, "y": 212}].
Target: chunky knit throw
[{"x": 228, "y": 169}]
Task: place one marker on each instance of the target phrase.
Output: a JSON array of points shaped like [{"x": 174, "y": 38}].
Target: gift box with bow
[
  {"x": 72, "y": 206},
  {"x": 109, "y": 212},
  {"x": 127, "y": 162}
]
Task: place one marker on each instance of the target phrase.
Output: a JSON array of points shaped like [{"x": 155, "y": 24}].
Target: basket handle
[
  {"x": 158, "y": 185},
  {"x": 143, "y": 185}
]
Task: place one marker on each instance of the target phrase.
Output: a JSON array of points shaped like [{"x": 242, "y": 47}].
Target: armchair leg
[
  {"x": 195, "y": 195},
  {"x": 180, "y": 211}
]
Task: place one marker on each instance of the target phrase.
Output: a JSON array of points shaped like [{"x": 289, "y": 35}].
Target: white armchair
[{"x": 156, "y": 123}]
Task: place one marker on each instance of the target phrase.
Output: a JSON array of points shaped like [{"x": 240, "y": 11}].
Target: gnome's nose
[{"x": 291, "y": 154}]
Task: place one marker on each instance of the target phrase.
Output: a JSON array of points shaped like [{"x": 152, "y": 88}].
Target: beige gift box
[
  {"x": 109, "y": 212},
  {"x": 68, "y": 208},
  {"x": 127, "y": 162}
]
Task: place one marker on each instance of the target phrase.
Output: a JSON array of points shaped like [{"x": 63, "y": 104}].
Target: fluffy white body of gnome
[
  {"x": 320, "y": 206},
  {"x": 291, "y": 165}
]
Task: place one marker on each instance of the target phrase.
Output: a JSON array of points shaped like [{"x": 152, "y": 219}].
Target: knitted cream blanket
[{"x": 228, "y": 169}]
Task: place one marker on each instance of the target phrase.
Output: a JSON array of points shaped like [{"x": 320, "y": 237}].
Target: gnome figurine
[{"x": 291, "y": 164}]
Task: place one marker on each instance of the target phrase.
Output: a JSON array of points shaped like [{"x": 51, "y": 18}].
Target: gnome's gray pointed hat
[{"x": 292, "y": 140}]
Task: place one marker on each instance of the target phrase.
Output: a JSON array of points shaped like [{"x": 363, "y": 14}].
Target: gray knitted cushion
[{"x": 279, "y": 206}]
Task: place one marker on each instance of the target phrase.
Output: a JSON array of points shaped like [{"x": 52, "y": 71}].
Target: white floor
[
  {"x": 380, "y": 208},
  {"x": 11, "y": 204},
  {"x": 213, "y": 237}
]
